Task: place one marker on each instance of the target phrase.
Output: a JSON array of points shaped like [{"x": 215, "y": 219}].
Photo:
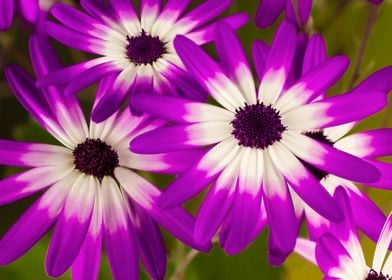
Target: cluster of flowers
[{"x": 272, "y": 154}]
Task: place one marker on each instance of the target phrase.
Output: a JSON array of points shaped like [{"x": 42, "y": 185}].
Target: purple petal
[
  {"x": 185, "y": 186},
  {"x": 179, "y": 110},
  {"x": 346, "y": 230},
  {"x": 29, "y": 9},
  {"x": 36, "y": 221},
  {"x": 181, "y": 137},
  {"x": 368, "y": 144},
  {"x": 98, "y": 8},
  {"x": 72, "y": 38},
  {"x": 260, "y": 51},
  {"x": 119, "y": 234},
  {"x": 207, "y": 33},
  {"x": 7, "y": 10},
  {"x": 34, "y": 102},
  {"x": 330, "y": 159},
  {"x": 247, "y": 205},
  {"x": 306, "y": 249},
  {"x": 25, "y": 154},
  {"x": 187, "y": 86},
  {"x": 234, "y": 61},
  {"x": 177, "y": 221},
  {"x": 73, "y": 18},
  {"x": 209, "y": 73},
  {"x": 124, "y": 9},
  {"x": 217, "y": 204},
  {"x": 300, "y": 12},
  {"x": 385, "y": 181},
  {"x": 368, "y": 217},
  {"x": 29, "y": 182},
  {"x": 89, "y": 77},
  {"x": 304, "y": 183},
  {"x": 268, "y": 11},
  {"x": 67, "y": 110},
  {"x": 282, "y": 48},
  {"x": 204, "y": 13},
  {"x": 72, "y": 226},
  {"x": 314, "y": 83},
  {"x": 87, "y": 263},
  {"x": 173, "y": 9},
  {"x": 329, "y": 253},
  {"x": 332, "y": 111},
  {"x": 383, "y": 244},
  {"x": 111, "y": 100},
  {"x": 169, "y": 163},
  {"x": 315, "y": 54},
  {"x": 280, "y": 211},
  {"x": 151, "y": 245},
  {"x": 378, "y": 81}
]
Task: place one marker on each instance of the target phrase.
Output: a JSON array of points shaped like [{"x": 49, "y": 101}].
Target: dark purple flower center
[
  {"x": 319, "y": 136},
  {"x": 257, "y": 126},
  {"x": 144, "y": 49},
  {"x": 95, "y": 157},
  {"x": 373, "y": 275}
]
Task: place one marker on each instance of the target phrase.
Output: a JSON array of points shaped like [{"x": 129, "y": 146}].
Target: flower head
[
  {"x": 256, "y": 143},
  {"x": 136, "y": 54},
  {"x": 93, "y": 194},
  {"x": 339, "y": 253}
]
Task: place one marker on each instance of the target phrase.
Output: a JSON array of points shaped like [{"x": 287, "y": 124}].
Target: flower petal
[
  {"x": 72, "y": 226},
  {"x": 119, "y": 235},
  {"x": 36, "y": 221}
]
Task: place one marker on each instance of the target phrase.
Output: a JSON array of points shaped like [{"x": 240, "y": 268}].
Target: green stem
[{"x": 365, "y": 39}]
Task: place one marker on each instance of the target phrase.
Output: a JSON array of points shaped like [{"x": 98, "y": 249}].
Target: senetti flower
[
  {"x": 368, "y": 145},
  {"x": 339, "y": 254},
  {"x": 297, "y": 11},
  {"x": 135, "y": 54},
  {"x": 32, "y": 11},
  {"x": 256, "y": 151},
  {"x": 92, "y": 194}
]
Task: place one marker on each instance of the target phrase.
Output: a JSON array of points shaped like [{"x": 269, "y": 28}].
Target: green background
[{"x": 341, "y": 22}]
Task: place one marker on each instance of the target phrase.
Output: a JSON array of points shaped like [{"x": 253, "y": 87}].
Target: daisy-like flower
[
  {"x": 256, "y": 152},
  {"x": 135, "y": 54},
  {"x": 368, "y": 145},
  {"x": 32, "y": 11},
  {"x": 92, "y": 194},
  {"x": 297, "y": 11},
  {"x": 339, "y": 253}
]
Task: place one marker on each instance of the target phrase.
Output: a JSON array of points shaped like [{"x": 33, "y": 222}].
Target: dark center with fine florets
[
  {"x": 144, "y": 49},
  {"x": 257, "y": 126},
  {"x": 373, "y": 275},
  {"x": 319, "y": 136},
  {"x": 96, "y": 158}
]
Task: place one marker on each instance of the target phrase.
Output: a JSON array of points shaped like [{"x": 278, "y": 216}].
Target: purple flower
[
  {"x": 32, "y": 11},
  {"x": 256, "y": 150},
  {"x": 339, "y": 254},
  {"x": 92, "y": 194},
  {"x": 135, "y": 54},
  {"x": 297, "y": 11},
  {"x": 367, "y": 145}
]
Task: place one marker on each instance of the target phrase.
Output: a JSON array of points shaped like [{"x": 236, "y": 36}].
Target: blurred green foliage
[{"x": 342, "y": 22}]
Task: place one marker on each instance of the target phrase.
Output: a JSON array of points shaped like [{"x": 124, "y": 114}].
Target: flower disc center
[
  {"x": 95, "y": 157},
  {"x": 144, "y": 49},
  {"x": 374, "y": 275},
  {"x": 257, "y": 126}
]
